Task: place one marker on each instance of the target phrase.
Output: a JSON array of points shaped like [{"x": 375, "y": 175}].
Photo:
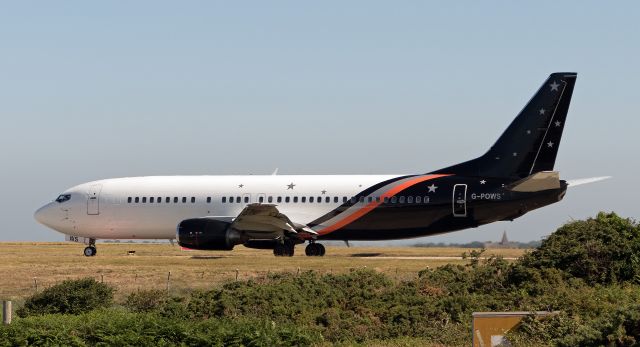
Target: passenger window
[
  {"x": 261, "y": 199},
  {"x": 410, "y": 199},
  {"x": 279, "y": 199},
  {"x": 303, "y": 199},
  {"x": 295, "y": 199},
  {"x": 184, "y": 199},
  {"x": 362, "y": 199},
  {"x": 327, "y": 199},
  {"x": 231, "y": 199},
  {"x": 167, "y": 200},
  {"x": 319, "y": 199},
  {"x": 310, "y": 199},
  {"x": 270, "y": 199},
  {"x": 208, "y": 200},
  {"x": 426, "y": 199},
  {"x": 159, "y": 200},
  {"x": 418, "y": 199},
  {"x": 129, "y": 199},
  {"x": 394, "y": 199},
  {"x": 386, "y": 199},
  {"x": 344, "y": 199},
  {"x": 238, "y": 199},
  {"x": 137, "y": 199},
  {"x": 193, "y": 199},
  {"x": 286, "y": 199},
  {"x": 144, "y": 199},
  {"x": 335, "y": 199},
  {"x": 401, "y": 200},
  {"x": 353, "y": 200},
  {"x": 224, "y": 199},
  {"x": 175, "y": 199},
  {"x": 371, "y": 199},
  {"x": 151, "y": 200},
  {"x": 246, "y": 199}
]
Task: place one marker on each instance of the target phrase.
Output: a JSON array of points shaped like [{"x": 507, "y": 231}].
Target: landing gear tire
[
  {"x": 314, "y": 250},
  {"x": 90, "y": 251},
  {"x": 284, "y": 250}
]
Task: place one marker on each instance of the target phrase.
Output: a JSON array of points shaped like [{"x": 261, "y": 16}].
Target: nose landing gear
[
  {"x": 314, "y": 250},
  {"x": 91, "y": 250}
]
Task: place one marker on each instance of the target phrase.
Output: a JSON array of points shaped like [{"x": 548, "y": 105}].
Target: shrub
[
  {"x": 70, "y": 296},
  {"x": 145, "y": 300},
  {"x": 604, "y": 250}
]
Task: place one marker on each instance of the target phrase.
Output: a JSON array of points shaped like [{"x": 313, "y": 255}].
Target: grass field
[{"x": 25, "y": 265}]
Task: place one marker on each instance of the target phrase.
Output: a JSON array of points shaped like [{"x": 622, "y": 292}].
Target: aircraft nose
[{"x": 44, "y": 215}]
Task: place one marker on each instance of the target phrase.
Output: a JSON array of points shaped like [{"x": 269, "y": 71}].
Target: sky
[{"x": 93, "y": 90}]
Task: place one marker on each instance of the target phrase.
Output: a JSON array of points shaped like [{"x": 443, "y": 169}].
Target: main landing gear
[
  {"x": 285, "y": 249},
  {"x": 314, "y": 250},
  {"x": 91, "y": 250}
]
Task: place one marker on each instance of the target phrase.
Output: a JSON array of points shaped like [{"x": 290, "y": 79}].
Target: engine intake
[{"x": 207, "y": 234}]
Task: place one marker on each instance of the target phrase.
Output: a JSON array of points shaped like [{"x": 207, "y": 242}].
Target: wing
[{"x": 264, "y": 219}]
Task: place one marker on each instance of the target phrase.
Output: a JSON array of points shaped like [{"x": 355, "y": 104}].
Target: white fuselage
[{"x": 152, "y": 207}]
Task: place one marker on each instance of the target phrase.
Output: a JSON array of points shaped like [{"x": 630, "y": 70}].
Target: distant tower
[{"x": 504, "y": 240}]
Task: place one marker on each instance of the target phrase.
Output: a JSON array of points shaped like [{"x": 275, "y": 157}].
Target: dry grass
[{"x": 22, "y": 264}]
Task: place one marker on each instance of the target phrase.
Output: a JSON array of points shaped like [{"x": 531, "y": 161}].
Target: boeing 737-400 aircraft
[{"x": 278, "y": 212}]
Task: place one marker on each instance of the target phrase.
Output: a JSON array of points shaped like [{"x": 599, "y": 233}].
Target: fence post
[
  {"x": 35, "y": 282},
  {"x": 168, "y": 281},
  {"x": 237, "y": 271},
  {"x": 6, "y": 312}
]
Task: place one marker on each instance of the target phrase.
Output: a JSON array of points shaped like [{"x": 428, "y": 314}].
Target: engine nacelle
[{"x": 207, "y": 234}]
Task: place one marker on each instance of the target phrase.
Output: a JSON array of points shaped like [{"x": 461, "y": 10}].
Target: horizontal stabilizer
[
  {"x": 537, "y": 182},
  {"x": 580, "y": 181}
]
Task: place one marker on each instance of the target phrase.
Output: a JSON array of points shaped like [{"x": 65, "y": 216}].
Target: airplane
[{"x": 278, "y": 212}]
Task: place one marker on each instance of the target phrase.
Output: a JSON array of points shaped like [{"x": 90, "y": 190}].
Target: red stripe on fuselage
[{"x": 372, "y": 205}]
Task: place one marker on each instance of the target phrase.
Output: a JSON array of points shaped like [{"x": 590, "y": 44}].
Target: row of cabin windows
[
  {"x": 288, "y": 199},
  {"x": 327, "y": 199},
  {"x": 158, "y": 200}
]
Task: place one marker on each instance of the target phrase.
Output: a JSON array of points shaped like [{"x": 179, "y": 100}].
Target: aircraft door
[
  {"x": 460, "y": 200},
  {"x": 93, "y": 199}
]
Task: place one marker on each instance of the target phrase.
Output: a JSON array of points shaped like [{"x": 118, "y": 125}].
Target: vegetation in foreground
[{"x": 587, "y": 269}]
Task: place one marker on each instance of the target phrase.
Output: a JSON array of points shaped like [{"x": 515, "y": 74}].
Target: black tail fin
[{"x": 530, "y": 144}]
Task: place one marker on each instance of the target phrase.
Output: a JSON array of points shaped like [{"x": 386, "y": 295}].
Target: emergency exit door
[{"x": 460, "y": 200}]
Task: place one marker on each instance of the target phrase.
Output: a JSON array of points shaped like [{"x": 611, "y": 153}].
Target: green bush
[
  {"x": 114, "y": 327},
  {"x": 70, "y": 296},
  {"x": 604, "y": 250}
]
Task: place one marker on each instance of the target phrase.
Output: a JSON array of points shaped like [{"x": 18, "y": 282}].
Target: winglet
[{"x": 275, "y": 172}]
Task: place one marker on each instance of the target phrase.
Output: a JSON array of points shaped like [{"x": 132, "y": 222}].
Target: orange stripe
[{"x": 372, "y": 205}]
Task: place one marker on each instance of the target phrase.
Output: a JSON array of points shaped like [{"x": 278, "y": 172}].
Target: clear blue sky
[{"x": 95, "y": 90}]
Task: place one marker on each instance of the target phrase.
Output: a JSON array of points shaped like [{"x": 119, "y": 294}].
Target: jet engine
[{"x": 207, "y": 234}]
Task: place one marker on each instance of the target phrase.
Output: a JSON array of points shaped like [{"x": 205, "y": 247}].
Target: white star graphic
[
  {"x": 324, "y": 192},
  {"x": 542, "y": 111},
  {"x": 558, "y": 123},
  {"x": 483, "y": 182},
  {"x": 550, "y": 144},
  {"x": 515, "y": 154},
  {"x": 554, "y": 86},
  {"x": 240, "y": 185},
  {"x": 432, "y": 188},
  {"x": 528, "y": 132}
]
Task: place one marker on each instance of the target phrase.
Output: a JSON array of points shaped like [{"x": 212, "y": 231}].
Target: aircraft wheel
[
  {"x": 321, "y": 249},
  {"x": 279, "y": 250},
  {"x": 90, "y": 251},
  {"x": 311, "y": 250},
  {"x": 289, "y": 249}
]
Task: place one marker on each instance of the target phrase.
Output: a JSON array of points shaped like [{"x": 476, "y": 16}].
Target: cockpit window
[{"x": 63, "y": 198}]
